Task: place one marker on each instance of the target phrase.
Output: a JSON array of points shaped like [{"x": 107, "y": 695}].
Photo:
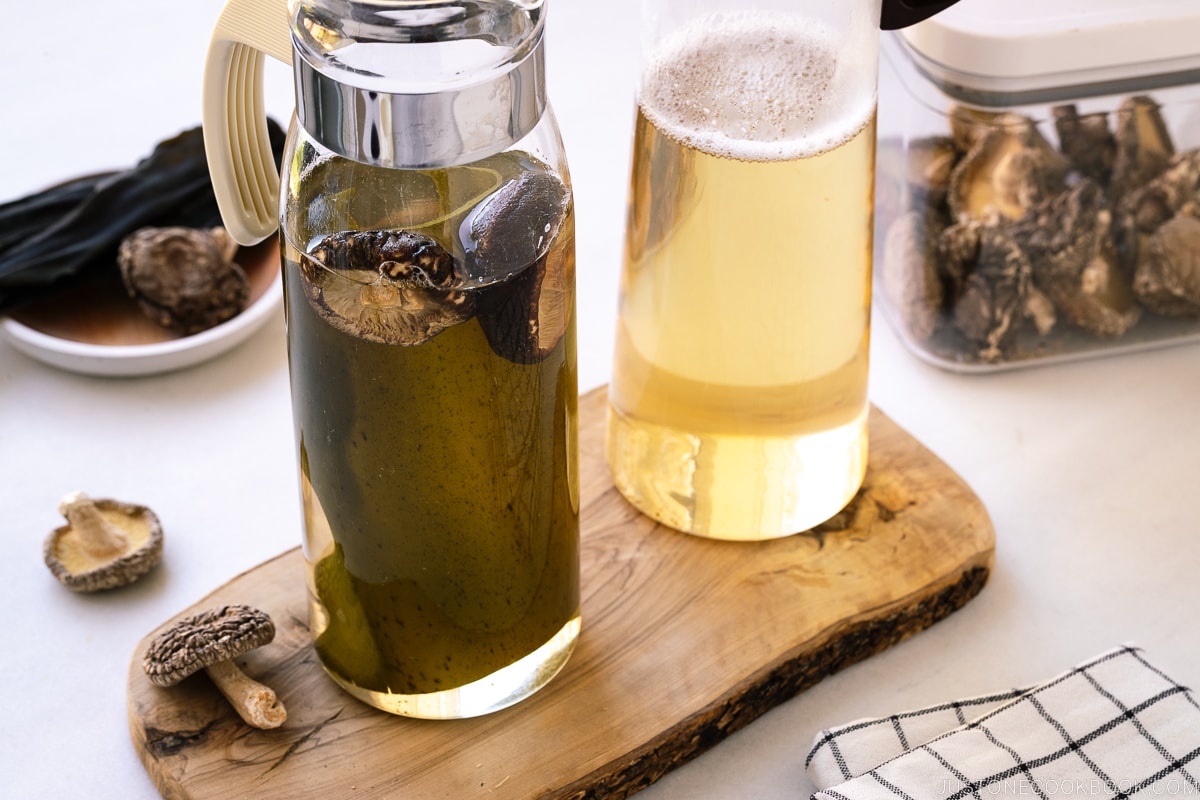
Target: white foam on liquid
[{"x": 756, "y": 87}]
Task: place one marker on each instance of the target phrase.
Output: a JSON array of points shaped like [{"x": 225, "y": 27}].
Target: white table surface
[{"x": 1089, "y": 470}]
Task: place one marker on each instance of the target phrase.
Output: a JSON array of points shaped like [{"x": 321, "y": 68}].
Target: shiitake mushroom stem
[
  {"x": 98, "y": 536},
  {"x": 256, "y": 703}
]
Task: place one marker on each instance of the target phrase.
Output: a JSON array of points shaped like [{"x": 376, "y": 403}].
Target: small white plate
[{"x": 99, "y": 331}]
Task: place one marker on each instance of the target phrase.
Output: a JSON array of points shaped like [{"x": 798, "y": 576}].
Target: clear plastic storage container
[{"x": 1038, "y": 181}]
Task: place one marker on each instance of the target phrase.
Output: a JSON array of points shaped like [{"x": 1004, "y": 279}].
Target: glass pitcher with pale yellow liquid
[
  {"x": 738, "y": 404},
  {"x": 426, "y": 223}
]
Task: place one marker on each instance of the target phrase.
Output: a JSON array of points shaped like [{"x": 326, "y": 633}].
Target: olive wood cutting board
[{"x": 684, "y": 641}]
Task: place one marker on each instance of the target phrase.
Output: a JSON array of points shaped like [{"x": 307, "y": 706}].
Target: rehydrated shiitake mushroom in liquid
[
  {"x": 525, "y": 318},
  {"x": 513, "y": 227},
  {"x": 403, "y": 287},
  {"x": 511, "y": 235},
  {"x": 387, "y": 286}
]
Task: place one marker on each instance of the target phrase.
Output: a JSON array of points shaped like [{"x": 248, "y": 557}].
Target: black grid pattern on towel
[{"x": 1112, "y": 727}]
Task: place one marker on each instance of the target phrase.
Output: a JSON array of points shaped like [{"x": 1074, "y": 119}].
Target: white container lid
[{"x": 1014, "y": 46}]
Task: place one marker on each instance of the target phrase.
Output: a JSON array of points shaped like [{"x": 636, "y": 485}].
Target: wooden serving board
[{"x": 684, "y": 641}]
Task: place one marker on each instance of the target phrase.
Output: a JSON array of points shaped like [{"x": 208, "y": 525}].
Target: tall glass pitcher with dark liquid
[{"x": 426, "y": 223}]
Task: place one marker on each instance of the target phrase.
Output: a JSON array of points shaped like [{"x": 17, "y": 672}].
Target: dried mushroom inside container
[{"x": 1016, "y": 236}]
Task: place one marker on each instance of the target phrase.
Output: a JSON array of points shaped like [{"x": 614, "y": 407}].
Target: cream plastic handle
[{"x": 234, "y": 115}]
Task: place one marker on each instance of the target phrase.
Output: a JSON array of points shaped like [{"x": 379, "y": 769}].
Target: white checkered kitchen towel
[{"x": 1112, "y": 727}]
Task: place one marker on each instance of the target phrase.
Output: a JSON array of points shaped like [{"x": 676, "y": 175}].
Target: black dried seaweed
[
  {"x": 29, "y": 216},
  {"x": 70, "y": 234}
]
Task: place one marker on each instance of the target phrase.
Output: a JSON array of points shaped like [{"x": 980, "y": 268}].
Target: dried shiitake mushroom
[
  {"x": 388, "y": 286},
  {"x": 105, "y": 544},
  {"x": 995, "y": 293},
  {"x": 931, "y": 162},
  {"x": 909, "y": 273},
  {"x": 1009, "y": 171},
  {"x": 184, "y": 279},
  {"x": 210, "y": 641},
  {"x": 969, "y": 125},
  {"x": 1147, "y": 207},
  {"x": 1087, "y": 142},
  {"x": 1168, "y": 280},
  {"x": 1144, "y": 145},
  {"x": 1040, "y": 311},
  {"x": 1067, "y": 240},
  {"x": 1106, "y": 304},
  {"x": 913, "y": 175}
]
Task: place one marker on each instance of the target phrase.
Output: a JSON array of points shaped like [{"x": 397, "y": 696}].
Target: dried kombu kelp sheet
[
  {"x": 68, "y": 234},
  {"x": 28, "y": 216}
]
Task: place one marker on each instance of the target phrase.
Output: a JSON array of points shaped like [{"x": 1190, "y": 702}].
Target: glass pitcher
[
  {"x": 738, "y": 406},
  {"x": 427, "y": 231}
]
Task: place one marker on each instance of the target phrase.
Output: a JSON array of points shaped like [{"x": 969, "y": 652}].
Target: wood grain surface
[{"x": 684, "y": 641}]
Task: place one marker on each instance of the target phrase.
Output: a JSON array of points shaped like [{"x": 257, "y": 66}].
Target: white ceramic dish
[{"x": 109, "y": 337}]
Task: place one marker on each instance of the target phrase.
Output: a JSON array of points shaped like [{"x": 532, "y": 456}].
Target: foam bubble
[{"x": 753, "y": 87}]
